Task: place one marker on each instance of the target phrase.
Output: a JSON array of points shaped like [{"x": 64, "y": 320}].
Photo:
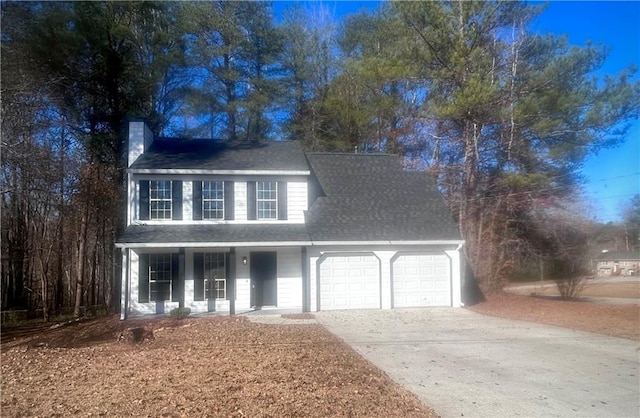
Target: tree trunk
[
  {"x": 92, "y": 286},
  {"x": 81, "y": 247},
  {"x": 45, "y": 295}
]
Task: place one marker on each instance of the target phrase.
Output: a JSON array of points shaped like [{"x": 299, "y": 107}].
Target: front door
[{"x": 263, "y": 273}]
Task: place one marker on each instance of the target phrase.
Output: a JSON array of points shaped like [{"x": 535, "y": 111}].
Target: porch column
[
  {"x": 231, "y": 281},
  {"x": 124, "y": 284},
  {"x": 306, "y": 296},
  {"x": 181, "y": 277},
  {"x": 456, "y": 276}
]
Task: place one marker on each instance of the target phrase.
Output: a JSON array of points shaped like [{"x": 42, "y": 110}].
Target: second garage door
[
  {"x": 349, "y": 282},
  {"x": 421, "y": 280}
]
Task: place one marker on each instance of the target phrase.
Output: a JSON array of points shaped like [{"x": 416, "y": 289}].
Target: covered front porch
[{"x": 210, "y": 279}]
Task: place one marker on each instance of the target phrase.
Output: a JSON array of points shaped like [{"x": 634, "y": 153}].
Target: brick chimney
[{"x": 140, "y": 139}]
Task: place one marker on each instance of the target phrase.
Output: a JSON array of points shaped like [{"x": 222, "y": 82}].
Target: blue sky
[{"x": 612, "y": 176}]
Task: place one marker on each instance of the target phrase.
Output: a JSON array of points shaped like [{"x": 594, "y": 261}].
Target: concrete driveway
[{"x": 465, "y": 364}]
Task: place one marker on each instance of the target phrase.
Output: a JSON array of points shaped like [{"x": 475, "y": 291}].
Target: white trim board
[
  {"x": 213, "y": 244},
  {"x": 283, "y": 244},
  {"x": 186, "y": 171}
]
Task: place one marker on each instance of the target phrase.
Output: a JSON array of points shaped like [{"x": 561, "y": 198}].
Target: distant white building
[{"x": 618, "y": 263}]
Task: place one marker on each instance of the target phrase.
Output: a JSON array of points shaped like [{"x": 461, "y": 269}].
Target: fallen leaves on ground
[
  {"x": 210, "y": 366},
  {"x": 228, "y": 366},
  {"x": 608, "y": 319}
]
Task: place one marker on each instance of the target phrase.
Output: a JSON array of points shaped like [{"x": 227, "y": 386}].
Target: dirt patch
[
  {"x": 211, "y": 366},
  {"x": 603, "y": 290},
  {"x": 615, "y": 320},
  {"x": 613, "y": 290},
  {"x": 77, "y": 333}
]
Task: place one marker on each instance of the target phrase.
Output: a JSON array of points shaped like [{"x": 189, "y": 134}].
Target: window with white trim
[
  {"x": 267, "y": 199},
  {"x": 160, "y": 277},
  {"x": 160, "y": 199},
  {"x": 215, "y": 282},
  {"x": 212, "y": 200}
]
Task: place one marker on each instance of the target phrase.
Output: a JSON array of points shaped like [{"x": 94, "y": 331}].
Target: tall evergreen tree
[
  {"x": 309, "y": 65},
  {"x": 232, "y": 47},
  {"x": 500, "y": 114}
]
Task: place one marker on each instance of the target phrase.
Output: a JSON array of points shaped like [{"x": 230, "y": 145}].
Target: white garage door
[
  {"x": 349, "y": 282},
  {"x": 421, "y": 280}
]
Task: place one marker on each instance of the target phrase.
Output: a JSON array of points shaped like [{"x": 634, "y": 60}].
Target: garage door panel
[
  {"x": 339, "y": 272},
  {"x": 421, "y": 280},
  {"x": 356, "y": 273},
  {"x": 349, "y": 282}
]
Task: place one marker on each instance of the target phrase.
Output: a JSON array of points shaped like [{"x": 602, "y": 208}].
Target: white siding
[
  {"x": 243, "y": 282},
  {"x": 140, "y": 138},
  {"x": 132, "y": 201},
  {"x": 240, "y": 200},
  {"x": 289, "y": 278},
  {"x": 136, "y": 200},
  {"x": 297, "y": 201},
  {"x": 187, "y": 200}
]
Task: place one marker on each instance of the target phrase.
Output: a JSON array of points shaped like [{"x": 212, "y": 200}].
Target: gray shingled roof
[
  {"x": 369, "y": 197},
  {"x": 228, "y": 233},
  {"x": 207, "y": 154}
]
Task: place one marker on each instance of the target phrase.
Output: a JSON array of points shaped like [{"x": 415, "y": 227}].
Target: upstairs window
[
  {"x": 267, "y": 199},
  {"x": 212, "y": 200},
  {"x": 160, "y": 199}
]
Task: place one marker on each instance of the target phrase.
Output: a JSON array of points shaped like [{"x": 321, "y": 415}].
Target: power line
[
  {"x": 613, "y": 178},
  {"x": 615, "y": 197}
]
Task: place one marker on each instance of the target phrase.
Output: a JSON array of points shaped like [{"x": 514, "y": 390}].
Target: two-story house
[
  {"x": 618, "y": 263},
  {"x": 219, "y": 226}
]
